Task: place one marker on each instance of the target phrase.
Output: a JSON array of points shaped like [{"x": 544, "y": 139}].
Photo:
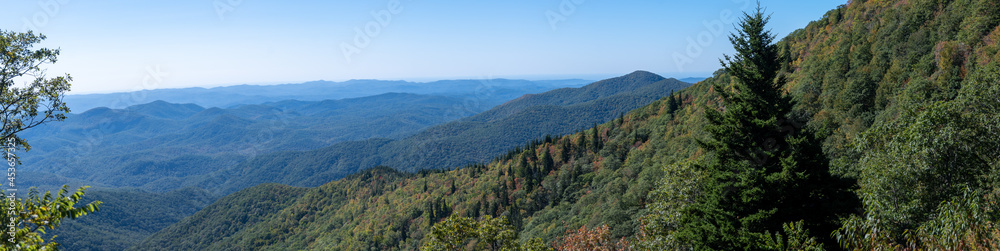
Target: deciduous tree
[
  {"x": 39, "y": 99},
  {"x": 34, "y": 214},
  {"x": 458, "y": 233}
]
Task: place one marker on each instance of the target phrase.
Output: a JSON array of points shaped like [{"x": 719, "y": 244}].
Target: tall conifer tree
[
  {"x": 672, "y": 104},
  {"x": 596, "y": 143},
  {"x": 763, "y": 171}
]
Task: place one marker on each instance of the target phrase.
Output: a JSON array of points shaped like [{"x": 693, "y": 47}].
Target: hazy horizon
[
  {"x": 588, "y": 77},
  {"x": 120, "y": 46}
]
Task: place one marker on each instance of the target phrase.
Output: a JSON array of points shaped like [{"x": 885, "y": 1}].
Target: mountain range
[
  {"x": 108, "y": 146},
  {"x": 192, "y": 148},
  {"x": 481, "y": 91},
  {"x": 867, "y": 70},
  {"x": 475, "y": 139}
]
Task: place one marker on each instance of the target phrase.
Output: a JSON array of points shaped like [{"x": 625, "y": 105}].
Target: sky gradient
[{"x": 118, "y": 45}]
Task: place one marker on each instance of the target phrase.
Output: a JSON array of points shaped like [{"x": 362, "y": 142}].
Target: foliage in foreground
[
  {"x": 34, "y": 214},
  {"x": 944, "y": 194},
  {"x": 37, "y": 102},
  {"x": 490, "y": 233}
]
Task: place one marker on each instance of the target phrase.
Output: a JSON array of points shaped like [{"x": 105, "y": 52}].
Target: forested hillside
[
  {"x": 901, "y": 95},
  {"x": 906, "y": 92},
  {"x": 479, "y": 138},
  {"x": 224, "y": 218},
  {"x": 547, "y": 187},
  {"x": 127, "y": 217},
  {"x": 865, "y": 62},
  {"x": 476, "y": 139}
]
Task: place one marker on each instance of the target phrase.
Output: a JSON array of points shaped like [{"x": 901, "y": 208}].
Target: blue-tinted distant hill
[
  {"x": 159, "y": 145},
  {"x": 693, "y": 79},
  {"x": 230, "y": 96},
  {"x": 187, "y": 134}
]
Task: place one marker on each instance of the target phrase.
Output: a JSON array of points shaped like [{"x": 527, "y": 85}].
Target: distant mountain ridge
[
  {"x": 230, "y": 96},
  {"x": 693, "y": 80},
  {"x": 169, "y": 136},
  {"x": 569, "y": 96},
  {"x": 558, "y": 112},
  {"x": 151, "y": 145},
  {"x": 474, "y": 139},
  {"x": 162, "y": 109}
]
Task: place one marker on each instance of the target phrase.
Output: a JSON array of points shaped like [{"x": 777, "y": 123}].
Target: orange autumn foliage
[{"x": 597, "y": 239}]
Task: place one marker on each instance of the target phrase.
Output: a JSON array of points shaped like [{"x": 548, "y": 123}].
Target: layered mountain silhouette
[
  {"x": 486, "y": 91},
  {"x": 475, "y": 139}
]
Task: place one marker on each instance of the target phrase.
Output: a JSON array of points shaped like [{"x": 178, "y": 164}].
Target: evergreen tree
[
  {"x": 429, "y": 216},
  {"x": 474, "y": 212},
  {"x": 596, "y": 139},
  {"x": 453, "y": 187},
  {"x": 547, "y": 163},
  {"x": 530, "y": 150},
  {"x": 522, "y": 166},
  {"x": 764, "y": 172},
  {"x": 672, "y": 103},
  {"x": 442, "y": 210},
  {"x": 564, "y": 151},
  {"x": 502, "y": 194}
]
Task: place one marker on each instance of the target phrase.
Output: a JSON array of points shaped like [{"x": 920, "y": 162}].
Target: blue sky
[{"x": 119, "y": 45}]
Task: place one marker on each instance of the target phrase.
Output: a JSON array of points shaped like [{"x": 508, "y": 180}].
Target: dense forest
[
  {"x": 128, "y": 216},
  {"x": 893, "y": 102}
]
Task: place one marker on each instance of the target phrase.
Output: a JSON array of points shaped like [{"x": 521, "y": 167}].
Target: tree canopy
[{"x": 40, "y": 99}]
